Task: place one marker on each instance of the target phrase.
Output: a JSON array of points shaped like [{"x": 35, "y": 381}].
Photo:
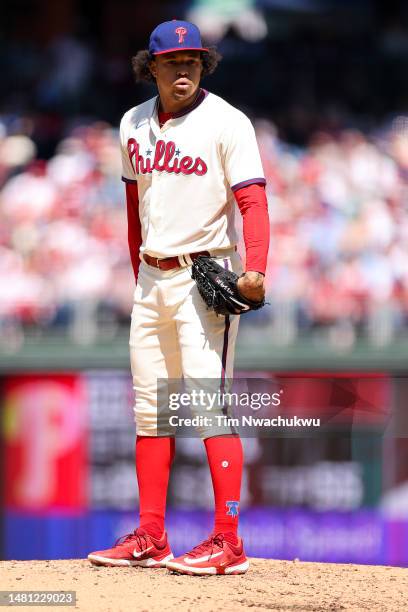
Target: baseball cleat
[
  {"x": 135, "y": 549},
  {"x": 214, "y": 556}
]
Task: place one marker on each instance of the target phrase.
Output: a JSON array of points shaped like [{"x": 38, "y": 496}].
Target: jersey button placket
[
  {"x": 159, "y": 199},
  {"x": 166, "y": 127},
  {"x": 160, "y": 184},
  {"x": 155, "y": 200}
]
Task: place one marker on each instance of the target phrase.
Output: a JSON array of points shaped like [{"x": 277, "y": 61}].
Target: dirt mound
[{"x": 269, "y": 585}]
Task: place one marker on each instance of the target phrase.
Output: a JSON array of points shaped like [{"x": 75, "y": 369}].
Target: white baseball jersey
[{"x": 187, "y": 171}]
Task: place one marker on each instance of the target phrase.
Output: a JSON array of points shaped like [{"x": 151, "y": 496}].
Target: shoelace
[
  {"x": 212, "y": 541},
  {"x": 138, "y": 535}
]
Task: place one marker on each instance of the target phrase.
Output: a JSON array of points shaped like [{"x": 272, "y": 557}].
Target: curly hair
[{"x": 142, "y": 59}]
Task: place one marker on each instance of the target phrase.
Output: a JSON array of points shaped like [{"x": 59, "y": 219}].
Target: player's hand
[{"x": 252, "y": 286}]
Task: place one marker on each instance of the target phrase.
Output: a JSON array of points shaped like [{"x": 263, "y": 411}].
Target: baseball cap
[{"x": 175, "y": 36}]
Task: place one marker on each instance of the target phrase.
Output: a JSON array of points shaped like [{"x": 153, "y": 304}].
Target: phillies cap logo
[{"x": 181, "y": 33}]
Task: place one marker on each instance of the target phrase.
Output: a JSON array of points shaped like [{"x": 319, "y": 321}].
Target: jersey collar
[{"x": 202, "y": 94}]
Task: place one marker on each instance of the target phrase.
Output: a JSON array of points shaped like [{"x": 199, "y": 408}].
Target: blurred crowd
[
  {"x": 63, "y": 233},
  {"x": 338, "y": 260},
  {"x": 339, "y": 225}
]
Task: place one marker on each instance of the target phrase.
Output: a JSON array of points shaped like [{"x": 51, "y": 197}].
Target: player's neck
[{"x": 169, "y": 105}]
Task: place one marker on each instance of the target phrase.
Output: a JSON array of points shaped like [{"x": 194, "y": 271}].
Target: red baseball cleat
[
  {"x": 214, "y": 556},
  {"x": 137, "y": 548}
]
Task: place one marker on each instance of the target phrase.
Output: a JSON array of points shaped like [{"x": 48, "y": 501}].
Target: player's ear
[
  {"x": 202, "y": 73},
  {"x": 153, "y": 68}
]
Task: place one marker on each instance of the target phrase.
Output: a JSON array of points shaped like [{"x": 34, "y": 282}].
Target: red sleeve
[
  {"x": 253, "y": 205},
  {"x": 134, "y": 228}
]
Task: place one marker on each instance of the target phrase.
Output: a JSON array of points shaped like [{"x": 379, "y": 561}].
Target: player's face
[{"x": 177, "y": 75}]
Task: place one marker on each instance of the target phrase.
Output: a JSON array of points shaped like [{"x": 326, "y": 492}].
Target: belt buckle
[{"x": 158, "y": 263}]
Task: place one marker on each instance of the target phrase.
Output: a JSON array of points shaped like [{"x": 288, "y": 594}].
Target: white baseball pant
[{"x": 173, "y": 336}]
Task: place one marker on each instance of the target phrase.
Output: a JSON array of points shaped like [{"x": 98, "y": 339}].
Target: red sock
[
  {"x": 154, "y": 457},
  {"x": 225, "y": 459}
]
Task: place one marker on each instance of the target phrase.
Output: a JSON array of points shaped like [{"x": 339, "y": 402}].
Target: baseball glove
[{"x": 218, "y": 288}]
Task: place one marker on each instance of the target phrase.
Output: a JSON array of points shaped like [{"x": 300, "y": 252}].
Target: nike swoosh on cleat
[
  {"x": 142, "y": 552},
  {"x": 201, "y": 559}
]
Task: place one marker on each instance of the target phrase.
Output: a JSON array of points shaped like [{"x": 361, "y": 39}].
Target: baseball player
[{"x": 189, "y": 160}]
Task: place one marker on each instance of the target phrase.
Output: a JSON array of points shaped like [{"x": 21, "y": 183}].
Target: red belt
[{"x": 170, "y": 263}]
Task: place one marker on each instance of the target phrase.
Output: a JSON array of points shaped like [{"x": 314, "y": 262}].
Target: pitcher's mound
[{"x": 268, "y": 585}]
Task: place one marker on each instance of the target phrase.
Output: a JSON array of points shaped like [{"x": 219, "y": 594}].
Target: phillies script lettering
[{"x": 164, "y": 160}]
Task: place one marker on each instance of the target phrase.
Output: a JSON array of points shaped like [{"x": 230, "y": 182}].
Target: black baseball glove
[{"x": 218, "y": 288}]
